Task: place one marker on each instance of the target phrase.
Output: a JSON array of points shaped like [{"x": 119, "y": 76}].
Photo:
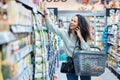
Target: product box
[{"x": 4, "y": 26}]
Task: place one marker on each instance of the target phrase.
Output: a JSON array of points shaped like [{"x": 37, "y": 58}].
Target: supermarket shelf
[
  {"x": 44, "y": 28},
  {"x": 113, "y": 23},
  {"x": 40, "y": 28},
  {"x": 26, "y": 73},
  {"x": 6, "y": 37},
  {"x": 84, "y": 13},
  {"x": 98, "y": 40},
  {"x": 100, "y": 30},
  {"x": 38, "y": 75},
  {"x": 21, "y": 29},
  {"x": 30, "y": 5},
  {"x": 113, "y": 68},
  {"x": 111, "y": 33},
  {"x": 111, "y": 43},
  {"x": 22, "y": 53},
  {"x": 117, "y": 54}
]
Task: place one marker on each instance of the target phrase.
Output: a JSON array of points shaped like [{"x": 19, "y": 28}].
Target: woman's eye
[{"x": 75, "y": 21}]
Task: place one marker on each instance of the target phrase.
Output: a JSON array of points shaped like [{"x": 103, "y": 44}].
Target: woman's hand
[
  {"x": 45, "y": 12},
  {"x": 79, "y": 33}
]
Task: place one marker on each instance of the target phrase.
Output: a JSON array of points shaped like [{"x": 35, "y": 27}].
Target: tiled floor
[{"x": 108, "y": 75}]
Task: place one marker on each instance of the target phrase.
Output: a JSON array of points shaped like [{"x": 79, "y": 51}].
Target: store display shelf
[
  {"x": 30, "y": 5},
  {"x": 41, "y": 28},
  {"x": 113, "y": 23},
  {"x": 100, "y": 30},
  {"x": 117, "y": 54},
  {"x": 100, "y": 22},
  {"x": 22, "y": 53},
  {"x": 99, "y": 40},
  {"x": 38, "y": 28},
  {"x": 21, "y": 29},
  {"x": 111, "y": 43},
  {"x": 113, "y": 55},
  {"x": 26, "y": 74},
  {"x": 82, "y": 12},
  {"x": 110, "y": 33},
  {"x": 38, "y": 75},
  {"x": 113, "y": 68},
  {"x": 6, "y": 37},
  {"x": 44, "y": 28}
]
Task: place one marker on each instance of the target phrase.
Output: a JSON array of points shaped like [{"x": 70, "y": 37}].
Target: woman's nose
[{"x": 72, "y": 22}]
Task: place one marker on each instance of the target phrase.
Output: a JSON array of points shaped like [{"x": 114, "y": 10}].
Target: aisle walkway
[{"x": 108, "y": 75}]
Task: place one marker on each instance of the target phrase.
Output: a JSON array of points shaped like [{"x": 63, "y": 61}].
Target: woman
[{"x": 78, "y": 31}]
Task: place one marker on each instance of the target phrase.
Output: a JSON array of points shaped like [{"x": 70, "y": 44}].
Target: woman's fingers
[{"x": 76, "y": 29}]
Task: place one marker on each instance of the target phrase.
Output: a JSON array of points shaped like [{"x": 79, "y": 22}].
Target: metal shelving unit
[
  {"x": 30, "y": 5},
  {"x": 21, "y": 29},
  {"x": 6, "y": 37},
  {"x": 113, "y": 41}
]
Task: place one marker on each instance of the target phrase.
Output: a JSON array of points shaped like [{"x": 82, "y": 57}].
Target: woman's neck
[{"x": 73, "y": 34}]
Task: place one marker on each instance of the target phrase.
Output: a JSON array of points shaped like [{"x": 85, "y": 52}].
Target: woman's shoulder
[{"x": 64, "y": 31}]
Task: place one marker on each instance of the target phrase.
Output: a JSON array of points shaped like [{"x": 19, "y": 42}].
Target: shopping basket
[{"x": 89, "y": 63}]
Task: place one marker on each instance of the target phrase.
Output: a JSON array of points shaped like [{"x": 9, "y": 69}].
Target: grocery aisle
[
  {"x": 29, "y": 49},
  {"x": 108, "y": 75}
]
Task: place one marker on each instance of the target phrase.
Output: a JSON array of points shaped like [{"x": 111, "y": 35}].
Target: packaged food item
[
  {"x": 1, "y": 75},
  {"x": 42, "y": 5}
]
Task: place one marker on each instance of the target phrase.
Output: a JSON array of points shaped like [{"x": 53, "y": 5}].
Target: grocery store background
[{"x": 30, "y": 51}]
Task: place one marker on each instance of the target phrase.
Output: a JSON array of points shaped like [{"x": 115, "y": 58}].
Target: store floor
[{"x": 108, "y": 75}]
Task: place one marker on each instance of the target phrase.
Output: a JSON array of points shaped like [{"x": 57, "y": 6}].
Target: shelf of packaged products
[
  {"x": 30, "y": 5},
  {"x": 84, "y": 13},
  {"x": 117, "y": 54},
  {"x": 6, "y": 37},
  {"x": 22, "y": 53},
  {"x": 111, "y": 43},
  {"x": 114, "y": 58},
  {"x": 111, "y": 33},
  {"x": 40, "y": 28},
  {"x": 44, "y": 28},
  {"x": 113, "y": 23},
  {"x": 113, "y": 68},
  {"x": 41, "y": 77},
  {"x": 99, "y": 40},
  {"x": 26, "y": 74},
  {"x": 21, "y": 29},
  {"x": 38, "y": 75},
  {"x": 112, "y": 54},
  {"x": 99, "y": 30}
]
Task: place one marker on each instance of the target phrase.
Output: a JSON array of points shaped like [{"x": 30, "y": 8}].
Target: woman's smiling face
[{"x": 74, "y": 23}]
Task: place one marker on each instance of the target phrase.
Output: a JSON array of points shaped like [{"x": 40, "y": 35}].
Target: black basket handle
[
  {"x": 95, "y": 47},
  {"x": 91, "y": 46}
]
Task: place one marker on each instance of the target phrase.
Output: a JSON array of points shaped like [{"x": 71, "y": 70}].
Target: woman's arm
[{"x": 52, "y": 27}]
